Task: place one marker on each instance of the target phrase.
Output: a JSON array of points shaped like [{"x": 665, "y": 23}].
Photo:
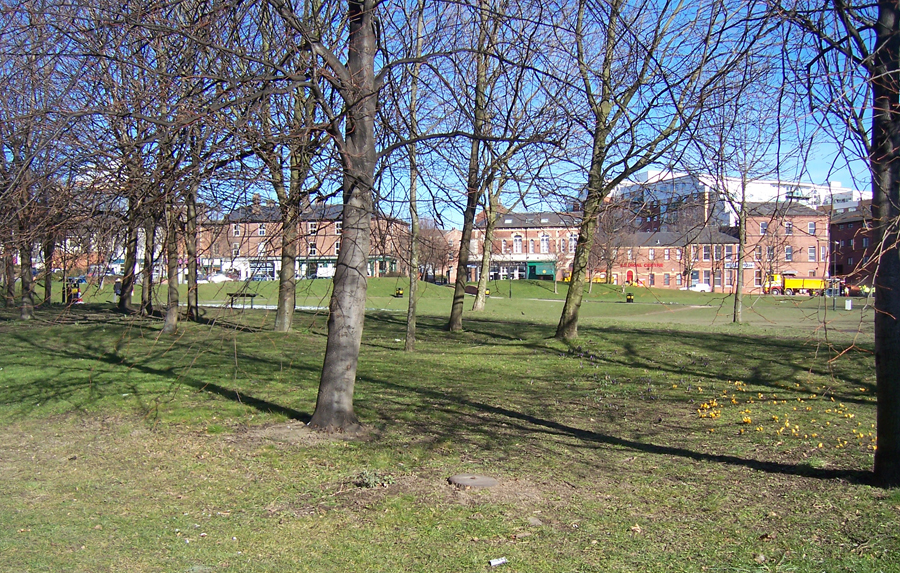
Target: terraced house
[{"x": 247, "y": 242}]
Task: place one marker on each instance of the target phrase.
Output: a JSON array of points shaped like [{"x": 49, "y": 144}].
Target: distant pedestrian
[{"x": 117, "y": 287}]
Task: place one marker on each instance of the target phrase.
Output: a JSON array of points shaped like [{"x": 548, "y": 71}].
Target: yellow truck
[{"x": 791, "y": 285}]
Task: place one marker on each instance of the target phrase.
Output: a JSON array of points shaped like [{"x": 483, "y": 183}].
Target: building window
[
  {"x": 215, "y": 250},
  {"x": 338, "y": 227},
  {"x": 850, "y": 261},
  {"x": 811, "y": 254},
  {"x": 678, "y": 280},
  {"x": 517, "y": 245},
  {"x": 312, "y": 227},
  {"x": 706, "y": 277},
  {"x": 652, "y": 279},
  {"x": 729, "y": 278},
  {"x": 770, "y": 253},
  {"x": 757, "y": 278},
  {"x": 865, "y": 241},
  {"x": 763, "y": 227},
  {"x": 503, "y": 246},
  {"x": 789, "y": 253},
  {"x": 545, "y": 244},
  {"x": 629, "y": 254},
  {"x": 235, "y": 230},
  {"x": 811, "y": 227},
  {"x": 729, "y": 252},
  {"x": 235, "y": 249},
  {"x": 666, "y": 255},
  {"x": 311, "y": 249},
  {"x": 695, "y": 254},
  {"x": 337, "y": 247},
  {"x": 812, "y": 273},
  {"x": 852, "y": 243},
  {"x": 666, "y": 279},
  {"x": 261, "y": 250},
  {"x": 677, "y": 254},
  {"x": 788, "y": 228},
  {"x": 531, "y": 246},
  {"x": 717, "y": 252},
  {"x": 651, "y": 254},
  {"x": 758, "y": 254},
  {"x": 823, "y": 253},
  {"x": 706, "y": 252},
  {"x": 718, "y": 278},
  {"x": 262, "y": 230}
]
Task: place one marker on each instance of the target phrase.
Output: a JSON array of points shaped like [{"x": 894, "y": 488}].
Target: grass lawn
[{"x": 666, "y": 439}]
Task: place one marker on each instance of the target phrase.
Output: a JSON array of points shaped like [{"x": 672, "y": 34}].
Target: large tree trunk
[
  {"x": 190, "y": 247},
  {"x": 170, "y": 326},
  {"x": 49, "y": 251},
  {"x": 26, "y": 276},
  {"x": 567, "y": 329},
  {"x": 885, "y": 167},
  {"x": 128, "y": 276},
  {"x": 287, "y": 282},
  {"x": 147, "y": 270},
  {"x": 9, "y": 272},
  {"x": 334, "y": 405}
]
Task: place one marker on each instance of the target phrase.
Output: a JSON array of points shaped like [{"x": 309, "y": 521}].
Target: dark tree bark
[
  {"x": 884, "y": 161},
  {"x": 190, "y": 247},
  {"x": 26, "y": 277},
  {"x": 334, "y": 406},
  {"x": 170, "y": 326},
  {"x": 149, "y": 262}
]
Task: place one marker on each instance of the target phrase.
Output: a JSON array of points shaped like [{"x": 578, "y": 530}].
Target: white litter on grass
[{"x": 496, "y": 562}]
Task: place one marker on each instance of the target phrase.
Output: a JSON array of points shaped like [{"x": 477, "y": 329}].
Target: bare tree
[
  {"x": 644, "y": 73},
  {"x": 851, "y": 63}
]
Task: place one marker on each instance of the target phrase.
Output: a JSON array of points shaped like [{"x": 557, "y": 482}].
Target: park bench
[{"x": 234, "y": 295}]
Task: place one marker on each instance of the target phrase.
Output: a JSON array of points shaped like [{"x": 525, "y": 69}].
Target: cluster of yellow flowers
[{"x": 788, "y": 423}]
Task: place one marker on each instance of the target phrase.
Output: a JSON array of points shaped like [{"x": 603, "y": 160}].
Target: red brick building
[
  {"x": 247, "y": 242},
  {"x": 853, "y": 248}
]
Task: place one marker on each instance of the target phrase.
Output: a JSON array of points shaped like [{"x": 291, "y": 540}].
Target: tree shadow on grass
[{"x": 531, "y": 423}]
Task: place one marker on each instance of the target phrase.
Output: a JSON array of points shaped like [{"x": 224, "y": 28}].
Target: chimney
[{"x": 257, "y": 201}]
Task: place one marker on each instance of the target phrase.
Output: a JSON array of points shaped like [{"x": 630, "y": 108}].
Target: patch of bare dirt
[{"x": 298, "y": 433}]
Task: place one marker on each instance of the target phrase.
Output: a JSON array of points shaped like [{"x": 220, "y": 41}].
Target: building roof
[
  {"x": 704, "y": 236},
  {"x": 258, "y": 213},
  {"x": 862, "y": 213},
  {"x": 535, "y": 220},
  {"x": 781, "y": 209}
]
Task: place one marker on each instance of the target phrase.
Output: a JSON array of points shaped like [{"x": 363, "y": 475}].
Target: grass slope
[{"x": 666, "y": 439}]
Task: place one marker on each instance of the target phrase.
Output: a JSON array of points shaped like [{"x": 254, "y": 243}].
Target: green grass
[{"x": 665, "y": 439}]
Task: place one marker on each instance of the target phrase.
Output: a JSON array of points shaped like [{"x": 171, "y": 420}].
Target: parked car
[
  {"x": 218, "y": 278},
  {"x": 700, "y": 287}
]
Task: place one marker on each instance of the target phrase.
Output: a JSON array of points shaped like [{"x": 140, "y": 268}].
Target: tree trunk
[
  {"x": 190, "y": 247},
  {"x": 128, "y": 276},
  {"x": 147, "y": 270},
  {"x": 410, "y": 343},
  {"x": 49, "y": 250},
  {"x": 287, "y": 282},
  {"x": 9, "y": 272},
  {"x": 26, "y": 276},
  {"x": 170, "y": 326},
  {"x": 486, "y": 250},
  {"x": 885, "y": 167},
  {"x": 567, "y": 329},
  {"x": 334, "y": 405},
  {"x": 739, "y": 274},
  {"x": 473, "y": 189}
]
